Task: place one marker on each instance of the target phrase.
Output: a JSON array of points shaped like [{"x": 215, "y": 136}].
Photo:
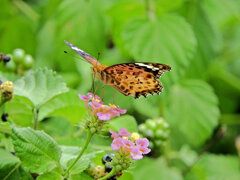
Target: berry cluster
[
  {"x": 157, "y": 131},
  {"x": 19, "y": 61}
]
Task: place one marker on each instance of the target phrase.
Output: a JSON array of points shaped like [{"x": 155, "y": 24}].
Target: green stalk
[
  {"x": 89, "y": 136},
  {"x": 150, "y": 9},
  {"x": 112, "y": 173}
]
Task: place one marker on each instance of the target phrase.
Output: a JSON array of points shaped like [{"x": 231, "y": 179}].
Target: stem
[
  {"x": 112, "y": 173},
  {"x": 89, "y": 136},
  {"x": 35, "y": 117},
  {"x": 150, "y": 9}
]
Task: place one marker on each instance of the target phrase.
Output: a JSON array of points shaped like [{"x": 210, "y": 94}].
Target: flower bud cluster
[
  {"x": 19, "y": 61},
  {"x": 156, "y": 130}
]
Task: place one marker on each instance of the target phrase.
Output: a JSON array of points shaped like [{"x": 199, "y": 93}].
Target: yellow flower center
[{"x": 135, "y": 136}]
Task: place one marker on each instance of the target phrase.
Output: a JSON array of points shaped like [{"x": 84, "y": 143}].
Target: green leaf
[
  {"x": 208, "y": 38},
  {"x": 126, "y": 121},
  {"x": 161, "y": 40},
  {"x": 37, "y": 151},
  {"x": 54, "y": 174},
  {"x": 54, "y": 127},
  {"x": 215, "y": 167},
  {"x": 192, "y": 111},
  {"x": 163, "y": 6},
  {"x": 20, "y": 110},
  {"x": 8, "y": 164},
  {"x": 66, "y": 105},
  {"x": 152, "y": 168},
  {"x": 69, "y": 154},
  {"x": 128, "y": 10},
  {"x": 39, "y": 86},
  {"x": 80, "y": 176},
  {"x": 80, "y": 166},
  {"x": 148, "y": 106}
]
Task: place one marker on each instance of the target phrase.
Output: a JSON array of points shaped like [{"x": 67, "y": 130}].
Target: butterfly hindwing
[{"x": 136, "y": 79}]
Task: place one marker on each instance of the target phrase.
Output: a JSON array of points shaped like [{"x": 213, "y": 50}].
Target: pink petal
[
  {"x": 114, "y": 134},
  {"x": 95, "y": 105},
  {"x": 142, "y": 142},
  {"x": 136, "y": 153},
  {"x": 128, "y": 144},
  {"x": 83, "y": 97},
  {"x": 124, "y": 132},
  {"x": 117, "y": 144},
  {"x": 103, "y": 116},
  {"x": 144, "y": 150},
  {"x": 121, "y": 111}
]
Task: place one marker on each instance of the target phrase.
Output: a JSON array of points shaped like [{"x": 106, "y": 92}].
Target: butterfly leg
[
  {"x": 93, "y": 78},
  {"x": 102, "y": 92},
  {"x": 96, "y": 88},
  {"x": 114, "y": 97}
]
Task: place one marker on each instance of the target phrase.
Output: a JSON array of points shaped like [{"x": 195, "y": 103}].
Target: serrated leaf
[
  {"x": 126, "y": 121},
  {"x": 40, "y": 86},
  {"x": 80, "y": 166},
  {"x": 215, "y": 167},
  {"x": 66, "y": 105},
  {"x": 192, "y": 111},
  {"x": 161, "y": 40},
  {"x": 37, "y": 151},
  {"x": 153, "y": 169},
  {"x": 54, "y": 174},
  {"x": 70, "y": 153},
  {"x": 8, "y": 163},
  {"x": 20, "y": 111}
]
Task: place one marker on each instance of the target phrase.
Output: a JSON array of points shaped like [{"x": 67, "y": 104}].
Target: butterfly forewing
[
  {"x": 85, "y": 55},
  {"x": 136, "y": 79}
]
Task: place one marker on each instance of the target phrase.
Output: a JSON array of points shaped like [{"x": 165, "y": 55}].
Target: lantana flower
[
  {"x": 128, "y": 144},
  {"x": 96, "y": 107}
]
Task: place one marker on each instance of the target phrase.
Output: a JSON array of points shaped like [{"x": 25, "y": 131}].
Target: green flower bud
[
  {"x": 159, "y": 134},
  {"x": 142, "y": 128},
  {"x": 93, "y": 130},
  {"x": 118, "y": 168},
  {"x": 149, "y": 133},
  {"x": 18, "y": 55},
  {"x": 11, "y": 66},
  {"x": 28, "y": 61},
  {"x": 151, "y": 124},
  {"x": 158, "y": 143}
]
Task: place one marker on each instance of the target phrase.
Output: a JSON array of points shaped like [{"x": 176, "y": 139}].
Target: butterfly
[{"x": 136, "y": 79}]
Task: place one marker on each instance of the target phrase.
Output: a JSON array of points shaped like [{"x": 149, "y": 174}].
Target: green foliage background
[{"x": 200, "y": 39}]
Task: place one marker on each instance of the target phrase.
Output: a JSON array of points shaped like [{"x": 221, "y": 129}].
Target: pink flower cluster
[
  {"x": 123, "y": 143},
  {"x": 95, "y": 106}
]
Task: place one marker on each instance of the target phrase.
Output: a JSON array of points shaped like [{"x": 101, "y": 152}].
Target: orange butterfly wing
[{"x": 136, "y": 79}]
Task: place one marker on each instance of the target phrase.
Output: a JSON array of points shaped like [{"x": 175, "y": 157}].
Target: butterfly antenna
[{"x": 74, "y": 56}]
